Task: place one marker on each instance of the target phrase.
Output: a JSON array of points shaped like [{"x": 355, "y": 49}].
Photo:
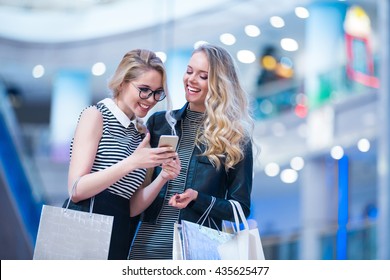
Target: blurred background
[{"x": 316, "y": 72}]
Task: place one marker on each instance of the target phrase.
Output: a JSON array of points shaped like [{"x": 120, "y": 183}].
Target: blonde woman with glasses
[{"x": 110, "y": 149}]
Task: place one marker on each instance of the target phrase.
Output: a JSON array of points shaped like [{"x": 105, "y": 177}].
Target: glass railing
[
  {"x": 281, "y": 247},
  {"x": 361, "y": 244}
]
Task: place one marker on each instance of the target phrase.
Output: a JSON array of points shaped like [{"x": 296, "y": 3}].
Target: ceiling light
[
  {"x": 38, "y": 71},
  {"x": 297, "y": 163},
  {"x": 301, "y": 12},
  {"x": 289, "y": 44},
  {"x": 363, "y": 145},
  {"x": 288, "y": 176},
  {"x": 227, "y": 39},
  {"x": 272, "y": 169},
  {"x": 98, "y": 69},
  {"x": 276, "y": 22},
  {"x": 246, "y": 56},
  {"x": 337, "y": 152},
  {"x": 162, "y": 56},
  {"x": 252, "y": 30}
]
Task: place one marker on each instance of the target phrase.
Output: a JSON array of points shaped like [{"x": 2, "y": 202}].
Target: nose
[{"x": 191, "y": 78}]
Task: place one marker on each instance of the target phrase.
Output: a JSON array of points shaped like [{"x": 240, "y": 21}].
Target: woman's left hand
[{"x": 181, "y": 201}]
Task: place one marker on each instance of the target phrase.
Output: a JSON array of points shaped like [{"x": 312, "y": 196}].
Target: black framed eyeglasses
[{"x": 145, "y": 93}]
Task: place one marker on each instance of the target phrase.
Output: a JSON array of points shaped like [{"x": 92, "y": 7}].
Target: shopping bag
[
  {"x": 246, "y": 243},
  {"x": 201, "y": 242},
  {"x": 177, "y": 248},
  {"x": 194, "y": 241},
  {"x": 66, "y": 234}
]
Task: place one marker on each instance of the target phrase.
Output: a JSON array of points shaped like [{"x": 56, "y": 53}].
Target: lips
[
  {"x": 144, "y": 107},
  {"x": 193, "y": 90}
]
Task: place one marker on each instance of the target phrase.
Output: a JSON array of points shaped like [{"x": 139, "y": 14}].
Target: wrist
[{"x": 195, "y": 195}]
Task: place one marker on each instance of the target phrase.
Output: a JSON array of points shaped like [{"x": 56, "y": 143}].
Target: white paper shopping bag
[{"x": 66, "y": 234}]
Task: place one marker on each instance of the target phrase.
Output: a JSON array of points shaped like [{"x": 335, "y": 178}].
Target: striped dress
[
  {"x": 154, "y": 241},
  {"x": 119, "y": 140}
]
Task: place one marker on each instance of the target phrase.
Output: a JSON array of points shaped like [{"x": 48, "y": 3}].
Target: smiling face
[
  {"x": 130, "y": 102},
  {"x": 196, "y": 81}
]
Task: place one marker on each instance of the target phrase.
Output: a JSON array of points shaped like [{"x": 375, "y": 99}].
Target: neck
[
  {"x": 130, "y": 115},
  {"x": 195, "y": 108}
]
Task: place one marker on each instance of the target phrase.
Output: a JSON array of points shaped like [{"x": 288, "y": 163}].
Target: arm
[
  {"x": 144, "y": 196},
  {"x": 86, "y": 140},
  {"x": 238, "y": 187}
]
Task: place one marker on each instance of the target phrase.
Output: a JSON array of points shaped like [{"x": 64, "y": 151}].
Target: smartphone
[{"x": 168, "y": 140}]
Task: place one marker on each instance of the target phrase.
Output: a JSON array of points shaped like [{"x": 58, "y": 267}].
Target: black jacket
[{"x": 204, "y": 177}]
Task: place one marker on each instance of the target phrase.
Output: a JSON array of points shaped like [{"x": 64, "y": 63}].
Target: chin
[
  {"x": 191, "y": 97},
  {"x": 141, "y": 113}
]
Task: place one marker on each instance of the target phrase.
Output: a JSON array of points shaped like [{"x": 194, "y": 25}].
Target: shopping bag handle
[
  {"x": 206, "y": 213},
  {"x": 72, "y": 193},
  {"x": 237, "y": 208}
]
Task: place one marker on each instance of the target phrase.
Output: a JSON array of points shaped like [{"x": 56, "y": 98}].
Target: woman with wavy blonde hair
[
  {"x": 228, "y": 125},
  {"x": 215, "y": 151}
]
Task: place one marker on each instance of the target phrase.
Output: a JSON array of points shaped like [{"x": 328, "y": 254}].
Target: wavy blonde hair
[
  {"x": 228, "y": 124},
  {"x": 133, "y": 64}
]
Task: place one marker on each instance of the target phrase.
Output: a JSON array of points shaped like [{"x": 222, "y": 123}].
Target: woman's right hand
[
  {"x": 171, "y": 169},
  {"x": 146, "y": 157}
]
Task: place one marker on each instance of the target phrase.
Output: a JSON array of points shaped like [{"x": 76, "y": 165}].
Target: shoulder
[
  {"x": 91, "y": 115},
  {"x": 90, "y": 125},
  {"x": 156, "y": 117}
]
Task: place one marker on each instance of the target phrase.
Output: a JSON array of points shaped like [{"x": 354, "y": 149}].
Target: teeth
[
  {"x": 192, "y": 89},
  {"x": 144, "y": 106}
]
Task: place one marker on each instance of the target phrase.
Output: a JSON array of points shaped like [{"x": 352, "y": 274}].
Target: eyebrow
[
  {"x": 147, "y": 86},
  {"x": 201, "y": 71},
  {"x": 143, "y": 85}
]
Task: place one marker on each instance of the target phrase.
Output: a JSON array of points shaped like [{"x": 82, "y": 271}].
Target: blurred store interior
[{"x": 316, "y": 72}]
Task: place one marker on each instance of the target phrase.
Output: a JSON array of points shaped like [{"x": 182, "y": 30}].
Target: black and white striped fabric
[
  {"x": 119, "y": 140},
  {"x": 154, "y": 241}
]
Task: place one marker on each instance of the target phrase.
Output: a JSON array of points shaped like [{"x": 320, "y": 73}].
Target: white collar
[{"x": 118, "y": 113}]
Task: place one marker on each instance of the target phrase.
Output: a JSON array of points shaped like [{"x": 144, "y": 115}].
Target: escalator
[{"x": 20, "y": 205}]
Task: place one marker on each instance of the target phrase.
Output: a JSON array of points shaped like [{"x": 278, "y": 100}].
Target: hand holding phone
[{"x": 168, "y": 140}]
